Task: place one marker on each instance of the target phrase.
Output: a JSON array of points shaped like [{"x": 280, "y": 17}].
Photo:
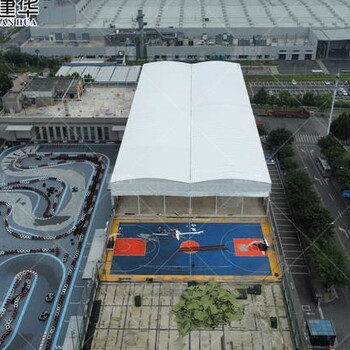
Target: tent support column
[
  {"x": 164, "y": 205},
  {"x": 267, "y": 205},
  {"x": 216, "y": 205},
  {"x": 242, "y": 206},
  {"x": 190, "y": 208},
  {"x": 138, "y": 205}
]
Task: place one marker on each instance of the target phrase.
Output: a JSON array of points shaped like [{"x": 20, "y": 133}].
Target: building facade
[{"x": 192, "y": 30}]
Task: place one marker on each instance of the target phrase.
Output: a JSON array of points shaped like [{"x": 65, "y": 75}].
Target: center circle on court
[{"x": 189, "y": 246}]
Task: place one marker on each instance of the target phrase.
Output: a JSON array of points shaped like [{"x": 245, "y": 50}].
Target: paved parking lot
[
  {"x": 298, "y": 67},
  {"x": 299, "y": 88},
  {"x": 317, "y": 88},
  {"x": 337, "y": 65}
]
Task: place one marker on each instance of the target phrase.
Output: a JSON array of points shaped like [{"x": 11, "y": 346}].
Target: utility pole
[{"x": 332, "y": 107}]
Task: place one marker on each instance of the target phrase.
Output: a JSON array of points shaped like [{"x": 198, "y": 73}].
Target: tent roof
[{"x": 191, "y": 132}]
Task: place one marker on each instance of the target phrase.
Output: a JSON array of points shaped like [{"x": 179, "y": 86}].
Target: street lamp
[{"x": 332, "y": 107}]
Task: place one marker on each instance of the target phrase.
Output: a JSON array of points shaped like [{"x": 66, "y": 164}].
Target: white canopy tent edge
[{"x": 191, "y": 132}]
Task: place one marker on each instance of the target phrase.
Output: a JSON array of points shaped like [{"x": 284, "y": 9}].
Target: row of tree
[
  {"x": 19, "y": 59},
  {"x": 315, "y": 223},
  {"x": 13, "y": 61},
  {"x": 286, "y": 99}
]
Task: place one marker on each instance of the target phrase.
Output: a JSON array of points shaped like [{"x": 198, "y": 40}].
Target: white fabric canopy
[{"x": 191, "y": 132}]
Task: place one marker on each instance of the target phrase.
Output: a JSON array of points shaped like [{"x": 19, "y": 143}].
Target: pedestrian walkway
[
  {"x": 288, "y": 236},
  {"x": 307, "y": 138},
  {"x": 322, "y": 66},
  {"x": 311, "y": 139}
]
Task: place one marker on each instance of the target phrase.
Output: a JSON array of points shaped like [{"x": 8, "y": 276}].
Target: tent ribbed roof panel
[{"x": 191, "y": 132}]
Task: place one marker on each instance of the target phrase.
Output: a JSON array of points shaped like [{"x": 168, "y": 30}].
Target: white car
[
  {"x": 294, "y": 82},
  {"x": 269, "y": 160}
]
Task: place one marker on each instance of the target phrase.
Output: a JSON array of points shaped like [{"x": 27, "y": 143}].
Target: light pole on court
[{"x": 332, "y": 106}]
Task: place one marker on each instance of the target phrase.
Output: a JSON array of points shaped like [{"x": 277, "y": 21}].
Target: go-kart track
[{"x": 52, "y": 198}]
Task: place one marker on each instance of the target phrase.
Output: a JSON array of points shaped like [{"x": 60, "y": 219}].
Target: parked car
[{"x": 269, "y": 160}]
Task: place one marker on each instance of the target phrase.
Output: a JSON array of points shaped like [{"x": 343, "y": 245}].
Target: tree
[
  {"x": 5, "y": 83},
  {"x": 340, "y": 127},
  {"x": 343, "y": 177},
  {"x": 280, "y": 137},
  {"x": 284, "y": 151},
  {"x": 285, "y": 98},
  {"x": 289, "y": 163},
  {"x": 261, "y": 97},
  {"x": 323, "y": 101},
  {"x": 331, "y": 263},
  {"x": 262, "y": 130},
  {"x": 315, "y": 219},
  {"x": 308, "y": 99},
  {"x": 327, "y": 142},
  {"x": 37, "y": 51},
  {"x": 88, "y": 78}
]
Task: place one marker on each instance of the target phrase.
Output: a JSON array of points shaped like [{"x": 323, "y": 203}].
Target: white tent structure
[{"x": 191, "y": 133}]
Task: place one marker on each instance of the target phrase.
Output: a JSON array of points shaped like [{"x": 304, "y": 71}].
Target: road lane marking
[
  {"x": 343, "y": 230},
  {"x": 317, "y": 179}
]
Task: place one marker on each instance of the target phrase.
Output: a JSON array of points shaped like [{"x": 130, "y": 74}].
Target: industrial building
[
  {"x": 192, "y": 30},
  {"x": 191, "y": 145}
]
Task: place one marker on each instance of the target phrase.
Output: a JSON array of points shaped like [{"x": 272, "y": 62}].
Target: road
[
  {"x": 306, "y": 133},
  {"x": 331, "y": 197}
]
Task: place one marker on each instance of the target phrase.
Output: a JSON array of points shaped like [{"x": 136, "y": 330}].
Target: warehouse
[
  {"x": 192, "y": 30},
  {"x": 191, "y": 146}
]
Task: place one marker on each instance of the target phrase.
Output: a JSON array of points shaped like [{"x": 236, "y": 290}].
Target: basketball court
[{"x": 176, "y": 249}]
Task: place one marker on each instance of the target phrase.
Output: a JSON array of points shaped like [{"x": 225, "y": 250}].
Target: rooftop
[
  {"x": 103, "y": 73},
  {"x": 122, "y": 323},
  {"x": 217, "y": 14},
  {"x": 47, "y": 43},
  {"x": 96, "y": 102},
  {"x": 47, "y": 84}
]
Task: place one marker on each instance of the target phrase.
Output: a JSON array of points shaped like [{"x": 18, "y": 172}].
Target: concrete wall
[
  {"x": 233, "y": 52},
  {"x": 12, "y": 102},
  {"x": 288, "y": 38},
  {"x": 94, "y": 33},
  {"x": 65, "y": 50},
  {"x": 78, "y": 129}
]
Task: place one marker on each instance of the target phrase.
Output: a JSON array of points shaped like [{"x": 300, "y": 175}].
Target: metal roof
[
  {"x": 218, "y": 13},
  {"x": 104, "y": 74},
  {"x": 332, "y": 34},
  {"x": 19, "y": 127},
  {"x": 118, "y": 127}
]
